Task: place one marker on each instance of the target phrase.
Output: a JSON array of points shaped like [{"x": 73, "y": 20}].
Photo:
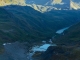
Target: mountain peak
[
  {"x": 45, "y": 5},
  {"x": 75, "y": 4},
  {"x": 53, "y": 2},
  {"x": 12, "y": 2}
]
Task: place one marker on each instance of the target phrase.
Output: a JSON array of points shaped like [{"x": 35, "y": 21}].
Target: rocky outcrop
[{"x": 53, "y": 53}]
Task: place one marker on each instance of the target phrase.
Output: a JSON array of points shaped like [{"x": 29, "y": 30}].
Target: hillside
[
  {"x": 39, "y": 30},
  {"x": 23, "y": 23},
  {"x": 68, "y": 45},
  {"x": 71, "y": 36}
]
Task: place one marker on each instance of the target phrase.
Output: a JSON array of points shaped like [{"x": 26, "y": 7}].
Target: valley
[
  {"x": 29, "y": 24},
  {"x": 36, "y": 30},
  {"x": 37, "y": 50}
]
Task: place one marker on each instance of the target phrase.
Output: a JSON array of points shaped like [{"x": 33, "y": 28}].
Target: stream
[{"x": 18, "y": 51}]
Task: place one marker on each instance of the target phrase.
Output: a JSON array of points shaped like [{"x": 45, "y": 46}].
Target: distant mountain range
[
  {"x": 45, "y": 5},
  {"x": 48, "y": 5}
]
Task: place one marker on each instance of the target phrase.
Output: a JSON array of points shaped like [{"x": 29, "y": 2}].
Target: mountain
[
  {"x": 19, "y": 22},
  {"x": 46, "y": 5},
  {"x": 12, "y": 2},
  {"x": 48, "y": 2},
  {"x": 22, "y": 23}
]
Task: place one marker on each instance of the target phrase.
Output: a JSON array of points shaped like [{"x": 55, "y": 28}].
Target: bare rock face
[
  {"x": 75, "y": 4},
  {"x": 12, "y": 2}
]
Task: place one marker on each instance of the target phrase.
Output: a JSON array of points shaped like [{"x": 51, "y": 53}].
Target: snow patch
[{"x": 6, "y": 43}]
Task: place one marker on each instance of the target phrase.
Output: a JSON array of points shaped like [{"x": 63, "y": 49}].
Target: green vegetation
[
  {"x": 25, "y": 24},
  {"x": 71, "y": 36},
  {"x": 22, "y": 23}
]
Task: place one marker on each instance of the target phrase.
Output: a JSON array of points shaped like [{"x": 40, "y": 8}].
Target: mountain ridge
[{"x": 46, "y": 5}]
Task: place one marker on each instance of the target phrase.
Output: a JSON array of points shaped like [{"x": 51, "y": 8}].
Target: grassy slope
[
  {"x": 33, "y": 22},
  {"x": 9, "y": 31}
]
